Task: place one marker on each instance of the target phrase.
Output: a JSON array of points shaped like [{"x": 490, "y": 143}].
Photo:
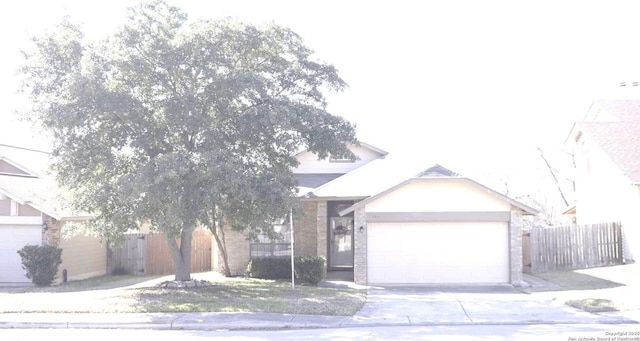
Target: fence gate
[
  {"x": 571, "y": 247},
  {"x": 130, "y": 256}
]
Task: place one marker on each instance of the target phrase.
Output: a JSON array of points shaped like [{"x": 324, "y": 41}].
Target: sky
[{"x": 473, "y": 85}]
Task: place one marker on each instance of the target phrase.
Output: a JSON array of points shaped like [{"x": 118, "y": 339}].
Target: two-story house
[
  {"x": 607, "y": 153},
  {"x": 395, "y": 221}
]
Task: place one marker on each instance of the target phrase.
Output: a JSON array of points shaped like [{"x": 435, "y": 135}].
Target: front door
[{"x": 341, "y": 243}]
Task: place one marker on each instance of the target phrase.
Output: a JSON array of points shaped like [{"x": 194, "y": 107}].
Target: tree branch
[{"x": 553, "y": 172}]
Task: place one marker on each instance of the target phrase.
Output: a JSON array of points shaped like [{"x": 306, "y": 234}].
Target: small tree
[{"x": 41, "y": 263}]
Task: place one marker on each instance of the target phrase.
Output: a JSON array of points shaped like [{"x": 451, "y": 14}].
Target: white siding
[
  {"x": 438, "y": 196},
  {"x": 82, "y": 257},
  {"x": 605, "y": 194},
  {"x": 28, "y": 211},
  {"x": 431, "y": 253},
  {"x": 309, "y": 163},
  {"x": 5, "y": 207}
]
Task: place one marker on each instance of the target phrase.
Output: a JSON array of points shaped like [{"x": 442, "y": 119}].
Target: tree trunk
[
  {"x": 181, "y": 254},
  {"x": 218, "y": 234}
]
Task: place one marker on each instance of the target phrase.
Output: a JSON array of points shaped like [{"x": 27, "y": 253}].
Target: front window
[{"x": 275, "y": 246}]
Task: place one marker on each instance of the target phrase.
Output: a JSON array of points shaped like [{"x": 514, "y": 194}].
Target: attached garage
[
  {"x": 438, "y": 229},
  {"x": 12, "y": 239},
  {"x": 441, "y": 252}
]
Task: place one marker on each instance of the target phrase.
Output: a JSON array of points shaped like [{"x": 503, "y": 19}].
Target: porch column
[
  {"x": 321, "y": 227},
  {"x": 360, "y": 247},
  {"x": 515, "y": 248}
]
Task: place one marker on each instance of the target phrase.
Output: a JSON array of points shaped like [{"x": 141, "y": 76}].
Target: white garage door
[
  {"x": 450, "y": 252},
  {"x": 12, "y": 239}
]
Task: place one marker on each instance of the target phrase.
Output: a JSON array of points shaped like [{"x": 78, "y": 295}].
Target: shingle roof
[
  {"x": 614, "y": 125},
  {"x": 315, "y": 180},
  {"x": 36, "y": 162},
  {"x": 40, "y": 190},
  {"x": 369, "y": 179},
  {"x": 620, "y": 141},
  {"x": 621, "y": 110}
]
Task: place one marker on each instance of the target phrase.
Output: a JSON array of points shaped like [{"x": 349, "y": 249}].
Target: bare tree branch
[{"x": 554, "y": 175}]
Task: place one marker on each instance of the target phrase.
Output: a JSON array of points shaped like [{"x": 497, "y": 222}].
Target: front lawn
[
  {"x": 611, "y": 288},
  {"x": 132, "y": 294}
]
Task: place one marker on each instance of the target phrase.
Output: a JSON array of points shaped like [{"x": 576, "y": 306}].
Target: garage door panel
[
  {"x": 12, "y": 239},
  {"x": 438, "y": 252}
]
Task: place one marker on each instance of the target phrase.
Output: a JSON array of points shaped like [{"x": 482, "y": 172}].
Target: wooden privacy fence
[
  {"x": 571, "y": 247},
  {"x": 149, "y": 254}
]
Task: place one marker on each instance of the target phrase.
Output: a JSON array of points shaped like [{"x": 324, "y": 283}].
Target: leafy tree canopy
[{"x": 177, "y": 123}]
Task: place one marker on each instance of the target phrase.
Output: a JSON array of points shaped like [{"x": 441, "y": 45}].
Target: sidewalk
[{"x": 443, "y": 313}]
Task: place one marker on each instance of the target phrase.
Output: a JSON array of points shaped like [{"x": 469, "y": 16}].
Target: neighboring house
[
  {"x": 391, "y": 222},
  {"x": 30, "y": 215},
  {"x": 607, "y": 153},
  {"x": 569, "y": 215}
]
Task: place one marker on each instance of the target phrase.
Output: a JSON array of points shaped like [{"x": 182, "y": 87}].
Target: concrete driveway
[{"x": 495, "y": 304}]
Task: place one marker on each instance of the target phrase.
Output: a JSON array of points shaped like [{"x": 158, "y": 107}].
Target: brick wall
[
  {"x": 305, "y": 230},
  {"x": 321, "y": 229},
  {"x": 515, "y": 248},
  {"x": 360, "y": 247},
  {"x": 310, "y": 234},
  {"x": 237, "y": 252},
  {"x": 51, "y": 235}
]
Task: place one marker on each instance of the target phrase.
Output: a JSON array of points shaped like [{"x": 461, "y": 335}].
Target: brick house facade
[{"x": 389, "y": 223}]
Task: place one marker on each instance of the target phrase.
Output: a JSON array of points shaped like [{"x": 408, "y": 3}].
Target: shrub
[
  {"x": 270, "y": 268},
  {"x": 308, "y": 269},
  {"x": 41, "y": 263}
]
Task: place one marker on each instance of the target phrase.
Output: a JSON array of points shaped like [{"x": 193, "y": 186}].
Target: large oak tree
[{"x": 180, "y": 124}]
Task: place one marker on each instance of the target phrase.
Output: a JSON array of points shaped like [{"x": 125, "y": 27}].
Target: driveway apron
[{"x": 479, "y": 304}]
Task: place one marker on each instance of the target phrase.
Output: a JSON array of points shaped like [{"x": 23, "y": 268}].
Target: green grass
[
  {"x": 574, "y": 280},
  {"x": 253, "y": 295},
  {"x": 125, "y": 294},
  {"x": 590, "y": 290},
  {"x": 593, "y": 305}
]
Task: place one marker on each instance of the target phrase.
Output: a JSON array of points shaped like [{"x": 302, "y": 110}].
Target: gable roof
[
  {"x": 437, "y": 171},
  {"x": 622, "y": 110},
  {"x": 315, "y": 180},
  {"x": 438, "y": 178},
  {"x": 31, "y": 161},
  {"x": 620, "y": 141},
  {"x": 34, "y": 187},
  {"x": 361, "y": 144},
  {"x": 382, "y": 176},
  {"x": 30, "y": 191},
  {"x": 367, "y": 180},
  {"x": 614, "y": 125},
  {"x": 8, "y": 167}
]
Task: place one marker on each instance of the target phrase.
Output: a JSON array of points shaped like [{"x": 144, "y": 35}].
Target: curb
[{"x": 249, "y": 324}]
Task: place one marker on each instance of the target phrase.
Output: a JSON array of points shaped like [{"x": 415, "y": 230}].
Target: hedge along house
[
  {"x": 391, "y": 222},
  {"x": 29, "y": 214}
]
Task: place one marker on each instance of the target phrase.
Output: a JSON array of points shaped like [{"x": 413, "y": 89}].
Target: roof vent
[{"x": 438, "y": 171}]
